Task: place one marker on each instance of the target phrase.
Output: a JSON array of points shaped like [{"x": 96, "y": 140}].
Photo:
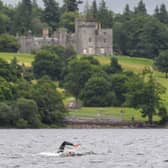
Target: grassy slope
[
  {"x": 25, "y": 59},
  {"x": 128, "y": 63}
]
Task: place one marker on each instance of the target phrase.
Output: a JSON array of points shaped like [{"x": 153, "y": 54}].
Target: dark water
[{"x": 113, "y": 148}]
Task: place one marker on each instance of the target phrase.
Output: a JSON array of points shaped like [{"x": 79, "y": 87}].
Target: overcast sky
[{"x": 116, "y": 5}]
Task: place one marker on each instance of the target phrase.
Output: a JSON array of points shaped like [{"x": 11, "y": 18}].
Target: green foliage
[
  {"x": 114, "y": 67},
  {"x": 5, "y": 90},
  {"x": 71, "y": 5},
  {"x": 21, "y": 123},
  {"x": 78, "y": 73},
  {"x": 91, "y": 60},
  {"x": 65, "y": 54},
  {"x": 5, "y": 114},
  {"x": 118, "y": 84},
  {"x": 23, "y": 17},
  {"x": 51, "y": 13},
  {"x": 47, "y": 63},
  {"x": 97, "y": 92},
  {"x": 8, "y": 43},
  {"x": 141, "y": 8},
  {"x": 67, "y": 21},
  {"x": 4, "y": 21},
  {"x": 28, "y": 113},
  {"x": 48, "y": 100},
  {"x": 141, "y": 36},
  {"x": 145, "y": 94},
  {"x": 161, "y": 62},
  {"x": 161, "y": 14},
  {"x": 104, "y": 16},
  {"x": 163, "y": 113}
]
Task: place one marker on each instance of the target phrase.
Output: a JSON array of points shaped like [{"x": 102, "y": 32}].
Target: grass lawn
[
  {"x": 25, "y": 59},
  {"x": 115, "y": 112},
  {"x": 129, "y": 63}
]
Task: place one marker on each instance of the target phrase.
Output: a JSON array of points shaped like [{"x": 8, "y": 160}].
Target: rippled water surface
[{"x": 112, "y": 148}]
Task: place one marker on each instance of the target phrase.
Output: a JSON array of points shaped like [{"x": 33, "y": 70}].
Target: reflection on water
[{"x": 103, "y": 148}]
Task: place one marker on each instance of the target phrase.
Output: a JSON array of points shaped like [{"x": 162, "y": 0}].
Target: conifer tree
[
  {"x": 51, "y": 13},
  {"x": 71, "y": 5},
  {"x": 23, "y": 17},
  {"x": 141, "y": 8}
]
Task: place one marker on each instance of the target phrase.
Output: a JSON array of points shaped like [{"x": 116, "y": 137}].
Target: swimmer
[{"x": 68, "y": 153}]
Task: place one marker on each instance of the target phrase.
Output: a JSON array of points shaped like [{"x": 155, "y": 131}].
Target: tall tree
[
  {"x": 94, "y": 10},
  {"x": 51, "y": 13},
  {"x": 157, "y": 12},
  {"x": 23, "y": 17},
  {"x": 79, "y": 71},
  {"x": 105, "y": 17},
  {"x": 161, "y": 62},
  {"x": 141, "y": 8},
  {"x": 145, "y": 94},
  {"x": 71, "y": 5},
  {"x": 163, "y": 14}
]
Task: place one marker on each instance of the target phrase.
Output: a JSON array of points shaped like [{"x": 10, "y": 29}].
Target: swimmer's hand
[{"x": 76, "y": 145}]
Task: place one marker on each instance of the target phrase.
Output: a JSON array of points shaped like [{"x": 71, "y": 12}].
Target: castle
[{"x": 89, "y": 38}]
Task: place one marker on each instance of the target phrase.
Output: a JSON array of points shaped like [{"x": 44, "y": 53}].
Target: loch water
[{"x": 108, "y": 148}]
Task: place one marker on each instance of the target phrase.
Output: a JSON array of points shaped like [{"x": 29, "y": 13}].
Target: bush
[{"x": 8, "y": 43}]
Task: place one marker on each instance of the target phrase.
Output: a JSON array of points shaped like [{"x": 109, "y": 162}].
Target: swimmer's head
[{"x": 68, "y": 153}]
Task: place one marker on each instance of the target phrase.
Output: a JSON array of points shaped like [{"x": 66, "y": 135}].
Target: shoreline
[{"x": 84, "y": 123}]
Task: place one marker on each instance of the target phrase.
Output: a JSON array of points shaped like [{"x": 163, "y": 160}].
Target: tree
[
  {"x": 49, "y": 102},
  {"x": 71, "y": 5},
  {"x": 6, "y": 116},
  {"x": 37, "y": 16},
  {"x": 68, "y": 21},
  {"x": 8, "y": 43},
  {"x": 161, "y": 62},
  {"x": 51, "y": 14},
  {"x": 65, "y": 54},
  {"x": 127, "y": 10},
  {"x": 47, "y": 63},
  {"x": 145, "y": 94},
  {"x": 141, "y": 8},
  {"x": 94, "y": 10},
  {"x": 4, "y": 22},
  {"x": 137, "y": 36},
  {"x": 5, "y": 70},
  {"x": 118, "y": 85},
  {"x": 97, "y": 92},
  {"x": 23, "y": 17},
  {"x": 78, "y": 73},
  {"x": 5, "y": 90},
  {"x": 163, "y": 15},
  {"x": 28, "y": 111},
  {"x": 114, "y": 67},
  {"x": 104, "y": 16}
]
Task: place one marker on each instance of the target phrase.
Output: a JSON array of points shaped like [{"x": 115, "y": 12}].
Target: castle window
[
  {"x": 104, "y": 33},
  {"x": 90, "y": 39},
  {"x": 104, "y": 40}
]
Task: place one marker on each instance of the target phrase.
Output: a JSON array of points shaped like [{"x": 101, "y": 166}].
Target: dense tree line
[{"x": 136, "y": 33}]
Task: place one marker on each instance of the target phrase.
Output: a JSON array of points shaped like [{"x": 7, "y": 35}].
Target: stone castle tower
[
  {"x": 89, "y": 38},
  {"x": 92, "y": 39}
]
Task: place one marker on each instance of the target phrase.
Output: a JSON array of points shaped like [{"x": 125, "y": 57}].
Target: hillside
[{"x": 128, "y": 63}]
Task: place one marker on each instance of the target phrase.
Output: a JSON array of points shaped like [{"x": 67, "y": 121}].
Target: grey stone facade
[{"x": 89, "y": 38}]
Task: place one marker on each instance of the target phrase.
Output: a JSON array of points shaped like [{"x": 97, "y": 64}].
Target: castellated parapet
[{"x": 89, "y": 38}]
